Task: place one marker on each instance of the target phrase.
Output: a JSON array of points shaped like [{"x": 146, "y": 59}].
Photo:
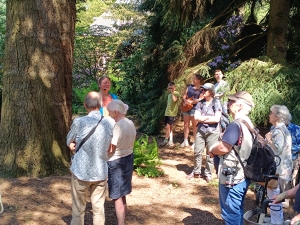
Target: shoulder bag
[{"x": 86, "y": 137}]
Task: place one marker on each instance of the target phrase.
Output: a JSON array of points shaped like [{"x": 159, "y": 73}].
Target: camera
[{"x": 229, "y": 173}]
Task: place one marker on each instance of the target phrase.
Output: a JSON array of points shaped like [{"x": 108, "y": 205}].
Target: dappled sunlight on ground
[{"x": 169, "y": 199}]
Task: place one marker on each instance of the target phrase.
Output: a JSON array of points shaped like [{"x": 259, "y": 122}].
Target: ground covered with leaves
[{"x": 169, "y": 199}]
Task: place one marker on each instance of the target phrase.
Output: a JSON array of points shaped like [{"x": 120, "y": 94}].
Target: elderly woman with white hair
[
  {"x": 279, "y": 139},
  {"x": 120, "y": 165}
]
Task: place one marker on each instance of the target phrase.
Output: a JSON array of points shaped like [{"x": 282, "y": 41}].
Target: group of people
[
  {"x": 205, "y": 116},
  {"x": 103, "y": 142},
  {"x": 102, "y": 155}
]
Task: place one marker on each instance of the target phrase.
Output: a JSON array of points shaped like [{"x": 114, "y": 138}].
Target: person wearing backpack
[
  {"x": 279, "y": 139},
  {"x": 233, "y": 184},
  {"x": 208, "y": 113}
]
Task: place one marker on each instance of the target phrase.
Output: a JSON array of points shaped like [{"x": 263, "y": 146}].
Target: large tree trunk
[
  {"x": 277, "y": 30},
  {"x": 37, "y": 87}
]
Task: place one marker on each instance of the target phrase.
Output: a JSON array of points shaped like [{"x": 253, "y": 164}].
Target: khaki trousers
[
  {"x": 79, "y": 190},
  {"x": 202, "y": 140}
]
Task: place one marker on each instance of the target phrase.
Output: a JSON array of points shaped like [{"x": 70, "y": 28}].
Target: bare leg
[
  {"x": 194, "y": 123},
  {"x": 171, "y": 134},
  {"x": 168, "y": 130},
  {"x": 121, "y": 207},
  {"x": 186, "y": 128}
]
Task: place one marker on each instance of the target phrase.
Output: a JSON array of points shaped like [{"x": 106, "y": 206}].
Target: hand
[
  {"x": 202, "y": 95},
  {"x": 295, "y": 219},
  {"x": 280, "y": 197},
  {"x": 211, "y": 155},
  {"x": 171, "y": 90},
  {"x": 72, "y": 146},
  {"x": 268, "y": 137},
  {"x": 188, "y": 100}
]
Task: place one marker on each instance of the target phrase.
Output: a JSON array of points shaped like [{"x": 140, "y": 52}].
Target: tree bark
[
  {"x": 37, "y": 87},
  {"x": 277, "y": 30}
]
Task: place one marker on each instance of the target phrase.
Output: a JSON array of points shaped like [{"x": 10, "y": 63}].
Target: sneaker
[
  {"x": 190, "y": 176},
  {"x": 170, "y": 144},
  {"x": 193, "y": 175},
  {"x": 208, "y": 179},
  {"x": 164, "y": 142},
  {"x": 184, "y": 144}
]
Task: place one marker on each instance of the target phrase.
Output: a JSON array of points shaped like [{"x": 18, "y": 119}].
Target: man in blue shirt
[
  {"x": 233, "y": 184},
  {"x": 89, "y": 167}
]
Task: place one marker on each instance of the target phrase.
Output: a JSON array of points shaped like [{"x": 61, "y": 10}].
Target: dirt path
[{"x": 170, "y": 199}]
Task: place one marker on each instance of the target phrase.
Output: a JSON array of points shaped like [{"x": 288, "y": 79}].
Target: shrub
[
  {"x": 78, "y": 95},
  {"x": 269, "y": 84},
  {"x": 146, "y": 158}
]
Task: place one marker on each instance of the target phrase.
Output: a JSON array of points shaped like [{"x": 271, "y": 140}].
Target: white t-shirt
[{"x": 123, "y": 137}]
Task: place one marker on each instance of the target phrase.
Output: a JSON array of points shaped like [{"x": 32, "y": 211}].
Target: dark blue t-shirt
[
  {"x": 192, "y": 92},
  {"x": 232, "y": 134}
]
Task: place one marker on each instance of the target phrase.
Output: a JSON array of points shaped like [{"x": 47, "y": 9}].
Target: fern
[{"x": 146, "y": 157}]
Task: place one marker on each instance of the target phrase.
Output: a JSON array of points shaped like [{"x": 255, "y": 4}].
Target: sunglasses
[{"x": 106, "y": 83}]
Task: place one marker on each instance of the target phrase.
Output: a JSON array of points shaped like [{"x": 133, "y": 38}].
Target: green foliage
[
  {"x": 268, "y": 84},
  {"x": 294, "y": 34},
  {"x": 78, "y": 96},
  {"x": 88, "y": 10},
  {"x": 143, "y": 60},
  {"x": 151, "y": 119},
  {"x": 91, "y": 58},
  {"x": 146, "y": 158},
  {"x": 261, "y": 9},
  {"x": 149, "y": 172}
]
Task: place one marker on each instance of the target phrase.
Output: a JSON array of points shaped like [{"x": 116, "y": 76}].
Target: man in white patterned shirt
[{"x": 89, "y": 167}]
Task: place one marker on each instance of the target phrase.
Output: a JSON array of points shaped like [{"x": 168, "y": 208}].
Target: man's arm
[
  {"x": 229, "y": 139},
  {"x": 71, "y": 143},
  {"x": 220, "y": 148},
  {"x": 72, "y": 133}
]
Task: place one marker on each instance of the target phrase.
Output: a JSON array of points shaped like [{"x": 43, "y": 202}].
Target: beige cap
[{"x": 243, "y": 96}]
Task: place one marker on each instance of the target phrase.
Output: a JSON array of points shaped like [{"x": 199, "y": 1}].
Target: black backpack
[
  {"x": 261, "y": 160},
  {"x": 224, "y": 121}
]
